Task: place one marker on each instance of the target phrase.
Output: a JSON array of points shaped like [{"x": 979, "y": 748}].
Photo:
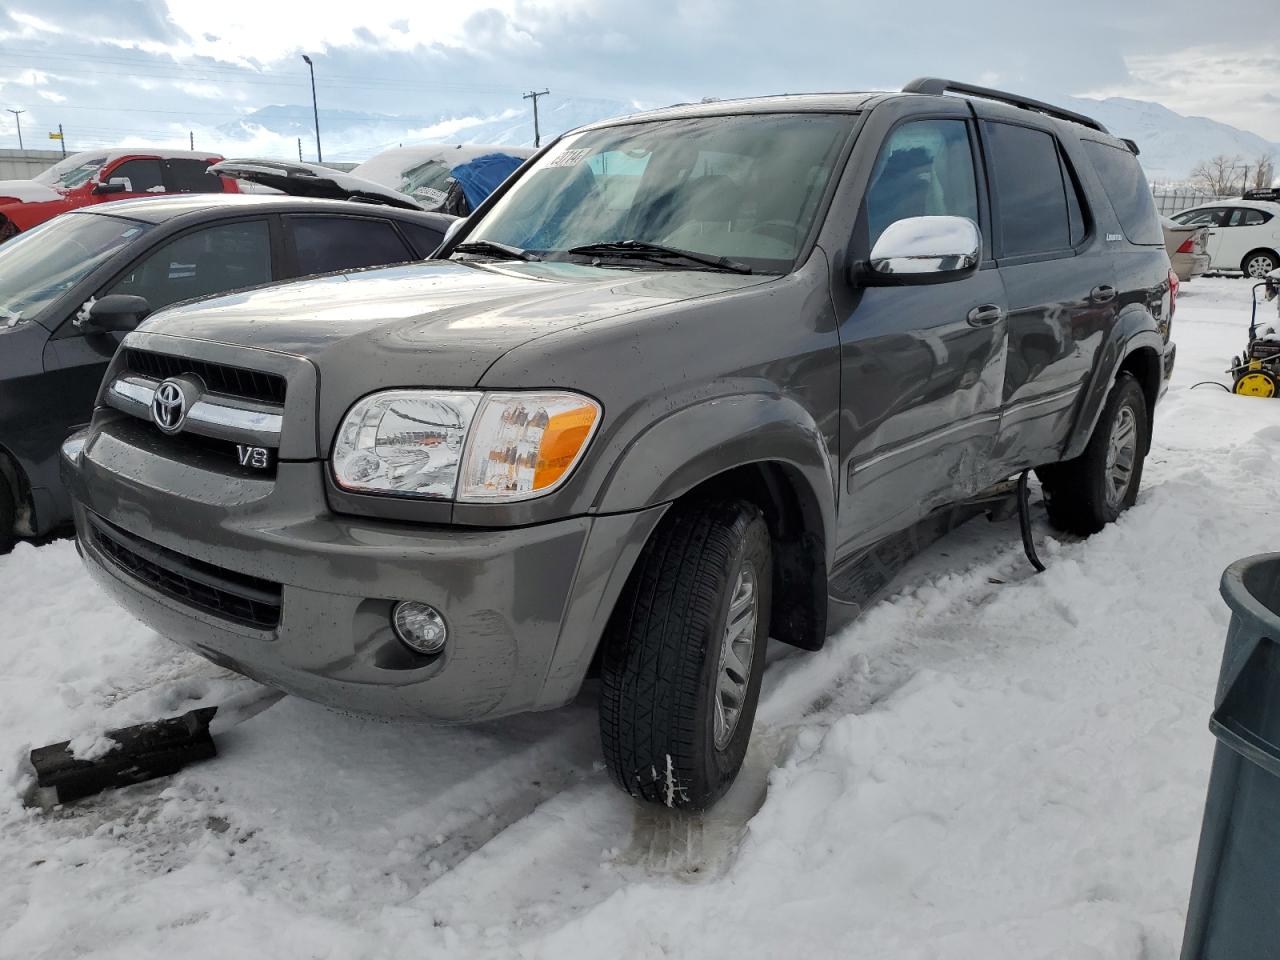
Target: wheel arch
[
  {"x": 1135, "y": 346},
  {"x": 15, "y": 478}
]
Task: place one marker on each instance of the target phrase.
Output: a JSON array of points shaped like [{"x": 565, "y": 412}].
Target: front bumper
[{"x": 525, "y": 606}]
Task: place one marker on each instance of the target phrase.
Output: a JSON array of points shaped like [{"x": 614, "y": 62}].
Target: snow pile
[{"x": 989, "y": 765}]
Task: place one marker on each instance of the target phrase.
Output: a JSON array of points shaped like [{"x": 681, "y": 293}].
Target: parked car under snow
[{"x": 444, "y": 179}]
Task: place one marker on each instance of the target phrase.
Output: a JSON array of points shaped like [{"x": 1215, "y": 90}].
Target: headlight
[{"x": 464, "y": 445}]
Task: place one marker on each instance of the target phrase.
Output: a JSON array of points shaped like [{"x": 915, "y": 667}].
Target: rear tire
[
  {"x": 8, "y": 229},
  {"x": 1258, "y": 264},
  {"x": 1085, "y": 494},
  {"x": 8, "y": 517},
  {"x": 675, "y": 709}
]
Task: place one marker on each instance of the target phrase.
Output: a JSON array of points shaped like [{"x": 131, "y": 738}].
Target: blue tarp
[{"x": 481, "y": 176}]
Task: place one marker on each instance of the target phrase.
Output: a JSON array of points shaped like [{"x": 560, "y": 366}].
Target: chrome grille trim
[{"x": 212, "y": 415}]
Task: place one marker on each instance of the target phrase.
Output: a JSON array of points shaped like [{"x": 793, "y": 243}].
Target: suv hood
[
  {"x": 28, "y": 191},
  {"x": 436, "y": 324},
  {"x": 310, "y": 180}
]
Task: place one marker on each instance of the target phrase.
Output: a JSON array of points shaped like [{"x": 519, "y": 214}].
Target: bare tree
[
  {"x": 1264, "y": 172},
  {"x": 1217, "y": 176}
]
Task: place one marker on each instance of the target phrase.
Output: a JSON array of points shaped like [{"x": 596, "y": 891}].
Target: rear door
[
  {"x": 323, "y": 243},
  {"x": 185, "y": 175},
  {"x": 1058, "y": 278}
]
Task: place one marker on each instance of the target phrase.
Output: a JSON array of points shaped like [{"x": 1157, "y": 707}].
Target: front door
[{"x": 921, "y": 366}]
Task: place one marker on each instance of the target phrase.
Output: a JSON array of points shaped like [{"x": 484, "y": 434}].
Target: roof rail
[{"x": 937, "y": 86}]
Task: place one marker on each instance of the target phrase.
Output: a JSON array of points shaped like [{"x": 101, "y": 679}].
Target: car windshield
[
  {"x": 745, "y": 188},
  {"x": 426, "y": 181},
  {"x": 38, "y": 266},
  {"x": 72, "y": 171}
]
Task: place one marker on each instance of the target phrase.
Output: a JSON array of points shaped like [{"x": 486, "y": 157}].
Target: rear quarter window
[{"x": 1127, "y": 189}]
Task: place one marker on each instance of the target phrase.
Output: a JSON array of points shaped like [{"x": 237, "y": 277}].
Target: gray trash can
[{"x": 1235, "y": 896}]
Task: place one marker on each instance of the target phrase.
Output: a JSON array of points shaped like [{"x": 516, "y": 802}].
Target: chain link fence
[{"x": 1174, "y": 200}]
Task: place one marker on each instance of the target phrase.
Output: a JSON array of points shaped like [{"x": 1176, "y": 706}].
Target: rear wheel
[
  {"x": 1085, "y": 494},
  {"x": 1259, "y": 263},
  {"x": 1256, "y": 383},
  {"x": 683, "y": 655},
  {"x": 7, "y": 229}
]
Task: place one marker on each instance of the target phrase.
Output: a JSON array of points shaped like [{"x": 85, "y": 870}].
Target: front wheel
[
  {"x": 683, "y": 655},
  {"x": 1256, "y": 383},
  {"x": 1085, "y": 494}
]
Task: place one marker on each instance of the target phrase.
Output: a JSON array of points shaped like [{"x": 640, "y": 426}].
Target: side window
[
  {"x": 425, "y": 238},
  {"x": 144, "y": 176},
  {"x": 1033, "y": 211},
  {"x": 324, "y": 244},
  {"x": 191, "y": 176},
  {"x": 1127, "y": 189},
  {"x": 1248, "y": 217},
  {"x": 925, "y": 168},
  {"x": 1213, "y": 217},
  {"x": 214, "y": 260}
]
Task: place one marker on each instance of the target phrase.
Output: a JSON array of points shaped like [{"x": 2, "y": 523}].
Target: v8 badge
[{"x": 258, "y": 458}]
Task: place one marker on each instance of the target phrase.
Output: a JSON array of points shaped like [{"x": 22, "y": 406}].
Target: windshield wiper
[
  {"x": 492, "y": 248},
  {"x": 646, "y": 250}
]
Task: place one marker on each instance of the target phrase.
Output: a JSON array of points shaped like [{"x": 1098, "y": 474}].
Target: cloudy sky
[{"x": 114, "y": 71}]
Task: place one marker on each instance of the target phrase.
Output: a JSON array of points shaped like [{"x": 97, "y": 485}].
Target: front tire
[
  {"x": 1085, "y": 494},
  {"x": 684, "y": 653},
  {"x": 8, "y": 517}
]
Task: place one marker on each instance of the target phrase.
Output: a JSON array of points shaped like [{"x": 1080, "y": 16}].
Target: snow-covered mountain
[{"x": 1171, "y": 143}]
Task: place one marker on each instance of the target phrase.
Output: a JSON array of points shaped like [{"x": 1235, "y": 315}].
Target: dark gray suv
[{"x": 663, "y": 396}]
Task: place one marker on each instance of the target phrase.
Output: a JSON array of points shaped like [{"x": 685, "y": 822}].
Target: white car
[{"x": 1244, "y": 235}]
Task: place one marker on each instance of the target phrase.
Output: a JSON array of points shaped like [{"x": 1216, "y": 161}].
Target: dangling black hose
[
  {"x": 1214, "y": 383},
  {"x": 1024, "y": 521}
]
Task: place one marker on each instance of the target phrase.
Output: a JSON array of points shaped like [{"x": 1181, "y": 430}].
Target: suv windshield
[
  {"x": 37, "y": 266},
  {"x": 72, "y": 171},
  {"x": 744, "y": 188}
]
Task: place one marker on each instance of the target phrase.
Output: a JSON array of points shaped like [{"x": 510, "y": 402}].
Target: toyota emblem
[{"x": 169, "y": 406}]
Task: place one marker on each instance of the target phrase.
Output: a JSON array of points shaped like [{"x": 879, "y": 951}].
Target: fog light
[{"x": 419, "y": 626}]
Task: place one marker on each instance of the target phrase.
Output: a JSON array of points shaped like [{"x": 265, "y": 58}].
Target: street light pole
[
  {"x": 17, "y": 119},
  {"x": 315, "y": 110}
]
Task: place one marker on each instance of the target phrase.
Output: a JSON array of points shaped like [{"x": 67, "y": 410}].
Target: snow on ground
[{"x": 991, "y": 764}]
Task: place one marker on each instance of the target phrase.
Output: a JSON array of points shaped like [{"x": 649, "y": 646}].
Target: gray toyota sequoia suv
[{"x": 664, "y": 395}]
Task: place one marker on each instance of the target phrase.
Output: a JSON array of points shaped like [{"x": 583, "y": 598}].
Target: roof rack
[{"x": 937, "y": 85}]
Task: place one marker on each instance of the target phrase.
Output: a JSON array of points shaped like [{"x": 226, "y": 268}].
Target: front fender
[
  {"x": 1134, "y": 329},
  {"x": 698, "y": 442}
]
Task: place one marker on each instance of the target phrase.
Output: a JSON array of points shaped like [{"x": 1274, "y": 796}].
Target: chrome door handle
[
  {"x": 985, "y": 315},
  {"x": 1103, "y": 293}
]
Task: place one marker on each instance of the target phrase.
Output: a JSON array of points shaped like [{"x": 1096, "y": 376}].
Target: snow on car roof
[{"x": 386, "y": 167}]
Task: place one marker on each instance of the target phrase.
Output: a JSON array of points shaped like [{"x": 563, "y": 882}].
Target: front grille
[
  {"x": 224, "y": 593},
  {"x": 217, "y": 377}
]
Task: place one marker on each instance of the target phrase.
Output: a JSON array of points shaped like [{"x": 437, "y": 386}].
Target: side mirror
[
  {"x": 453, "y": 231},
  {"x": 119, "y": 312},
  {"x": 115, "y": 185},
  {"x": 925, "y": 250}
]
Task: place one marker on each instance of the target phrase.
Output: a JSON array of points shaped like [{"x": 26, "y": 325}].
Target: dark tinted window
[
  {"x": 345, "y": 243},
  {"x": 1031, "y": 203},
  {"x": 423, "y": 237},
  {"x": 1127, "y": 188},
  {"x": 213, "y": 260},
  {"x": 192, "y": 176},
  {"x": 925, "y": 169},
  {"x": 144, "y": 176}
]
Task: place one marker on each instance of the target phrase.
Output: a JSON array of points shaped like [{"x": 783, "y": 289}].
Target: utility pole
[
  {"x": 17, "y": 117},
  {"x": 299, "y": 149},
  {"x": 191, "y": 139},
  {"x": 62, "y": 140},
  {"x": 315, "y": 110},
  {"x": 534, "y": 95}
]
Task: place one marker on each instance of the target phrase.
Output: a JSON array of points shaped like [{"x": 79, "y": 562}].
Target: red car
[{"x": 97, "y": 176}]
